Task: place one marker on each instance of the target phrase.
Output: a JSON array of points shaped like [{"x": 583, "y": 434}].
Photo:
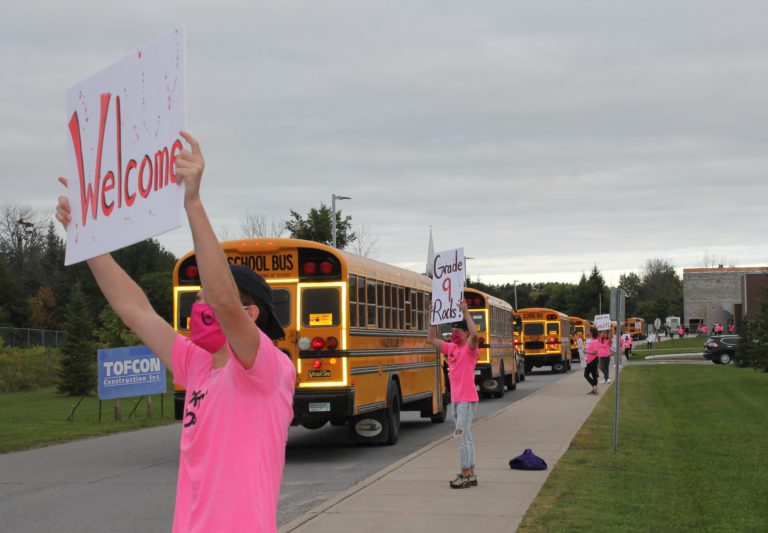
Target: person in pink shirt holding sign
[
  {"x": 238, "y": 404},
  {"x": 461, "y": 354}
]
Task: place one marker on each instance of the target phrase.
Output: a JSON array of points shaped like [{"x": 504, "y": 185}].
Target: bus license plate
[
  {"x": 477, "y": 372},
  {"x": 320, "y": 407}
]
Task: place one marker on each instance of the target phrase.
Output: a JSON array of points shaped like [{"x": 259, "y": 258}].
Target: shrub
[{"x": 26, "y": 369}]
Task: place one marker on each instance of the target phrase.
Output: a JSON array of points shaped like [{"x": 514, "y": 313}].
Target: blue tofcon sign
[{"x": 127, "y": 372}]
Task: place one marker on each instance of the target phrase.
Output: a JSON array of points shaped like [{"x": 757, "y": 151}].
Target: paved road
[{"x": 126, "y": 482}]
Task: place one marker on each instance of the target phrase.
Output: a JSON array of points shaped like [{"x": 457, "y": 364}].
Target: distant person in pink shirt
[
  {"x": 461, "y": 354},
  {"x": 593, "y": 347},
  {"x": 238, "y": 403},
  {"x": 604, "y": 357},
  {"x": 731, "y": 328}
]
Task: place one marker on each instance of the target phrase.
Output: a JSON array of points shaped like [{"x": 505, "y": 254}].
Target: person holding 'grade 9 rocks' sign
[
  {"x": 461, "y": 354},
  {"x": 238, "y": 404}
]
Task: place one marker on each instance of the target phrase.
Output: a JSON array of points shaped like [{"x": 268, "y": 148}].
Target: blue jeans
[{"x": 462, "y": 416}]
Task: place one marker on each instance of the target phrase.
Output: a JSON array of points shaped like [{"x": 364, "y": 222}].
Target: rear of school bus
[
  {"x": 496, "y": 367},
  {"x": 310, "y": 293},
  {"x": 546, "y": 339},
  {"x": 579, "y": 330}
]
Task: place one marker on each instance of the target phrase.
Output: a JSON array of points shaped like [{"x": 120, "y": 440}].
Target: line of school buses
[{"x": 356, "y": 330}]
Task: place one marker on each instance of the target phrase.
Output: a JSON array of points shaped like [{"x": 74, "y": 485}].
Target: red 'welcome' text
[{"x": 152, "y": 173}]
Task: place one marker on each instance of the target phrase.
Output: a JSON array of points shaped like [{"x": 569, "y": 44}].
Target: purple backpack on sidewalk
[{"x": 528, "y": 461}]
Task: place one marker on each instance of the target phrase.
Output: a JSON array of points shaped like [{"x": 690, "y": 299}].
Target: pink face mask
[
  {"x": 204, "y": 329},
  {"x": 456, "y": 337}
]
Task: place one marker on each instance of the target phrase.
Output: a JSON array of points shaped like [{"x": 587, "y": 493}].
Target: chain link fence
[{"x": 27, "y": 338}]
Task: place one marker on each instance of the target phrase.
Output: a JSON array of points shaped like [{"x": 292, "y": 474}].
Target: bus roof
[
  {"x": 354, "y": 264},
  {"x": 541, "y": 310},
  {"x": 496, "y": 302}
]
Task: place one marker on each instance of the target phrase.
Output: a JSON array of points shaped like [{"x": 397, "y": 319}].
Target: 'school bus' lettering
[{"x": 279, "y": 265}]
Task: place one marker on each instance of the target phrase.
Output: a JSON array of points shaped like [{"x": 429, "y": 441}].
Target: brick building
[{"x": 723, "y": 295}]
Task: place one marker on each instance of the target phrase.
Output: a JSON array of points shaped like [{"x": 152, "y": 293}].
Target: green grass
[
  {"x": 38, "y": 418},
  {"x": 674, "y": 346},
  {"x": 693, "y": 441}
]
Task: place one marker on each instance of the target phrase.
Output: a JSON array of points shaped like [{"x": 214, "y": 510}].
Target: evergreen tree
[
  {"x": 77, "y": 372},
  {"x": 317, "y": 227}
]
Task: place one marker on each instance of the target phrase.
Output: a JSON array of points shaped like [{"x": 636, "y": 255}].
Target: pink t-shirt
[
  {"x": 461, "y": 371},
  {"x": 593, "y": 346},
  {"x": 604, "y": 348},
  {"x": 235, "y": 428}
]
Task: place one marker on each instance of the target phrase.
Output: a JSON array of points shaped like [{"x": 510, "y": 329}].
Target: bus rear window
[
  {"x": 479, "y": 320},
  {"x": 184, "y": 309},
  {"x": 553, "y": 328},
  {"x": 320, "y": 307},
  {"x": 533, "y": 328}
]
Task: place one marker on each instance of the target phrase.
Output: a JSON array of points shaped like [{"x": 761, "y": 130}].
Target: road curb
[{"x": 370, "y": 480}]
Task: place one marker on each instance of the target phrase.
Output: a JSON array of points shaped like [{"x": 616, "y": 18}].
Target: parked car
[{"x": 721, "y": 349}]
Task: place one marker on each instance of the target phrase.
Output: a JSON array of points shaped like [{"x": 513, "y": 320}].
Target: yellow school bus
[
  {"x": 497, "y": 364},
  {"x": 546, "y": 339},
  {"x": 579, "y": 329},
  {"x": 635, "y": 327},
  {"x": 355, "y": 328}
]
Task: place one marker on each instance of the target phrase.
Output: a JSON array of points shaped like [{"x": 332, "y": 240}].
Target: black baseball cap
[
  {"x": 252, "y": 284},
  {"x": 461, "y": 324}
]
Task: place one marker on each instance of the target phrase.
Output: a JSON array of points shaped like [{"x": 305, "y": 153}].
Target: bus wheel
[
  {"x": 393, "y": 415},
  {"x": 498, "y": 392},
  {"x": 440, "y": 417},
  {"x": 512, "y": 381}
]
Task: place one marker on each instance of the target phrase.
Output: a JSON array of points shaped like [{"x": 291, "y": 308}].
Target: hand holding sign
[{"x": 189, "y": 168}]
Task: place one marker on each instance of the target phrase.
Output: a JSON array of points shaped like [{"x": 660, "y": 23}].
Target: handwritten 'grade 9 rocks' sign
[
  {"x": 122, "y": 142},
  {"x": 128, "y": 372},
  {"x": 448, "y": 273}
]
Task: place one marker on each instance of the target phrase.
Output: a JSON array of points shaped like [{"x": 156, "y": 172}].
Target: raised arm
[
  {"x": 125, "y": 297},
  {"x": 218, "y": 285},
  {"x": 472, "y": 340}
]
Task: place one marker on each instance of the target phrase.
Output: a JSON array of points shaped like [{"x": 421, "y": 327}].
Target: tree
[
  {"x": 113, "y": 333},
  {"x": 77, "y": 372},
  {"x": 21, "y": 235},
  {"x": 753, "y": 342},
  {"x": 713, "y": 260},
  {"x": 256, "y": 226},
  {"x": 660, "y": 293},
  {"x": 631, "y": 284},
  {"x": 317, "y": 227},
  {"x": 365, "y": 243}
]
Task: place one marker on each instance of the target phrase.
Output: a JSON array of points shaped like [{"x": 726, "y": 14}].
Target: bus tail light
[
  {"x": 516, "y": 341},
  {"x": 331, "y": 343},
  {"x": 326, "y": 267},
  {"x": 309, "y": 268},
  {"x": 318, "y": 343},
  {"x": 191, "y": 272},
  {"x": 316, "y": 364},
  {"x": 553, "y": 340}
]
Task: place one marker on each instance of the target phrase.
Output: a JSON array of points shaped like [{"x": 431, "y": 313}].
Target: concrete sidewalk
[{"x": 413, "y": 494}]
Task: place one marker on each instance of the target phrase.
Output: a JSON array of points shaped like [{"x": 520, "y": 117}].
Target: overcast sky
[{"x": 544, "y": 137}]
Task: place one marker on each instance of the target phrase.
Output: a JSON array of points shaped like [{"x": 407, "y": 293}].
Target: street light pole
[
  {"x": 514, "y": 283},
  {"x": 333, "y": 215}
]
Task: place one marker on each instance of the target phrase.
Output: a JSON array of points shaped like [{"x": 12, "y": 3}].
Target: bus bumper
[
  {"x": 324, "y": 404},
  {"x": 483, "y": 371},
  {"x": 543, "y": 360}
]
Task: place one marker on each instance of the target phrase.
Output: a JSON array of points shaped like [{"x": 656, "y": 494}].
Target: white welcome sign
[
  {"x": 448, "y": 273},
  {"x": 123, "y": 138}
]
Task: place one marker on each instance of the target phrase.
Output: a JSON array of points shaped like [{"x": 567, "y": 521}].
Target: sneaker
[
  {"x": 608, "y": 380},
  {"x": 473, "y": 481},
  {"x": 460, "y": 482},
  {"x": 602, "y": 381}
]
